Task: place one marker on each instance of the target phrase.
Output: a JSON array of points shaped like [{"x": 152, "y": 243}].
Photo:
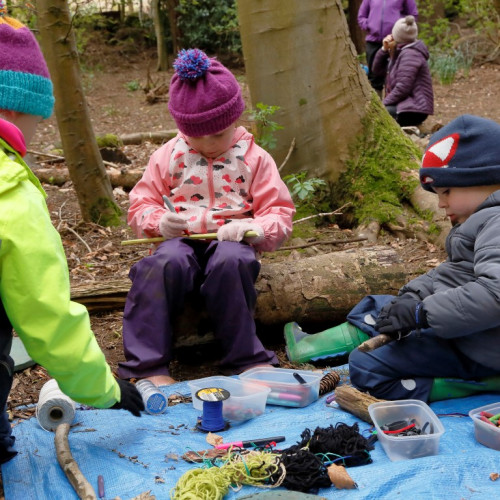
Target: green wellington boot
[
  {"x": 452, "y": 388},
  {"x": 337, "y": 341}
]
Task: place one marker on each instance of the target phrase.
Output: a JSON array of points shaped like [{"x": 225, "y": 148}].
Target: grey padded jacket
[{"x": 462, "y": 295}]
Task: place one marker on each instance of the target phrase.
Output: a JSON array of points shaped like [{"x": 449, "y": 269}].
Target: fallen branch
[
  {"x": 125, "y": 178},
  {"x": 69, "y": 466}
]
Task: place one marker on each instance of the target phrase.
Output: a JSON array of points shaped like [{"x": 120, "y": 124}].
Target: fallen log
[
  {"x": 314, "y": 290},
  {"x": 157, "y": 137},
  {"x": 57, "y": 176}
]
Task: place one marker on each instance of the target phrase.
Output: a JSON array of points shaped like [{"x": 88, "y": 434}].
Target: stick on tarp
[{"x": 202, "y": 236}]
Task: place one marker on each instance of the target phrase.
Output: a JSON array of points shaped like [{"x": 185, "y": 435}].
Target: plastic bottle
[{"x": 155, "y": 402}]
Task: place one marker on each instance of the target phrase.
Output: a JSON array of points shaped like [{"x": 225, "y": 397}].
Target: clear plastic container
[
  {"x": 405, "y": 447},
  {"x": 246, "y": 400},
  {"x": 286, "y": 390},
  {"x": 486, "y": 434},
  {"x": 155, "y": 402}
]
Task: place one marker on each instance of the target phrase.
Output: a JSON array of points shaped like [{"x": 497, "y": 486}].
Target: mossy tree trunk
[
  {"x": 92, "y": 186},
  {"x": 300, "y": 57}
]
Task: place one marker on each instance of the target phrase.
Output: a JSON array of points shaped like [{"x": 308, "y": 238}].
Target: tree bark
[
  {"x": 312, "y": 74},
  {"x": 93, "y": 188}
]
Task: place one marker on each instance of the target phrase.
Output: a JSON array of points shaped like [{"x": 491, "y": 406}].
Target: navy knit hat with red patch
[{"x": 466, "y": 152}]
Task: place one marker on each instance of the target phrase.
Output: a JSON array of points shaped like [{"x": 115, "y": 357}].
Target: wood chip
[{"x": 340, "y": 478}]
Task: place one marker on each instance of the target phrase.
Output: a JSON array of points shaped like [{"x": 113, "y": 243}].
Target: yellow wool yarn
[{"x": 213, "y": 483}]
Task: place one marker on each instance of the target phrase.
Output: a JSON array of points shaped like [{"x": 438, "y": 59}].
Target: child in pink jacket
[{"x": 211, "y": 178}]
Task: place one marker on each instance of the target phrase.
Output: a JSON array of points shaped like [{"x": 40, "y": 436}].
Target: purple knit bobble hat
[
  {"x": 205, "y": 97},
  {"x": 25, "y": 84}
]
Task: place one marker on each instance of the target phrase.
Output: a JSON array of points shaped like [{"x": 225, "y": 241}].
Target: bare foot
[{"x": 161, "y": 380}]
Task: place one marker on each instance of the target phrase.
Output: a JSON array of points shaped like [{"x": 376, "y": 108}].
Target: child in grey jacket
[{"x": 446, "y": 323}]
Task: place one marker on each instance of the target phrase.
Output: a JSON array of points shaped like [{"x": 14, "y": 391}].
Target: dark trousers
[
  {"x": 406, "y": 119},
  {"x": 222, "y": 273},
  {"x": 6, "y": 376},
  {"x": 405, "y": 369},
  {"x": 371, "y": 49}
]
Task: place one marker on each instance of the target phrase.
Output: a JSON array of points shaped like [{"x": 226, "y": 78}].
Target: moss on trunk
[{"x": 373, "y": 180}]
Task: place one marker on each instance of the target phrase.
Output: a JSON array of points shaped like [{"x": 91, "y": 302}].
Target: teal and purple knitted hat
[{"x": 25, "y": 84}]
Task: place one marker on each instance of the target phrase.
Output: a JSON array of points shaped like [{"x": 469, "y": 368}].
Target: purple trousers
[{"x": 223, "y": 273}]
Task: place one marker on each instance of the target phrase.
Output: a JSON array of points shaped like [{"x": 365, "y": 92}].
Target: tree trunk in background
[
  {"x": 92, "y": 186},
  {"x": 174, "y": 29},
  {"x": 357, "y": 34},
  {"x": 299, "y": 56},
  {"x": 161, "y": 45}
]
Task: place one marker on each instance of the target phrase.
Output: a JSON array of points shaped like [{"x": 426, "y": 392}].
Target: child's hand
[
  {"x": 388, "y": 43},
  {"x": 130, "y": 399},
  {"x": 172, "y": 225},
  {"x": 404, "y": 315},
  {"x": 235, "y": 231}
]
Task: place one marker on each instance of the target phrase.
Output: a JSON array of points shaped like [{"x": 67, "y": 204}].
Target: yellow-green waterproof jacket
[{"x": 35, "y": 290}]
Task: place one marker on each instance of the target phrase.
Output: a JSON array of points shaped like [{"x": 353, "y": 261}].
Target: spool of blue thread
[
  {"x": 213, "y": 399},
  {"x": 155, "y": 402}
]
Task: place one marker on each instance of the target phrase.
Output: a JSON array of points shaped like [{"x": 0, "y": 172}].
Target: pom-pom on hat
[
  {"x": 405, "y": 30},
  {"x": 463, "y": 153},
  {"x": 25, "y": 84},
  {"x": 205, "y": 97}
]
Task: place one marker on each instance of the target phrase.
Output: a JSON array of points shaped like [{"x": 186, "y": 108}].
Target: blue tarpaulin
[{"x": 135, "y": 455}]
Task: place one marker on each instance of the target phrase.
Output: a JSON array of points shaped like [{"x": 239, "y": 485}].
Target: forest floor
[{"x": 94, "y": 253}]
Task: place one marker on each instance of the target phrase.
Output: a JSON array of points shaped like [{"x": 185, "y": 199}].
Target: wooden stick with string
[{"x": 201, "y": 236}]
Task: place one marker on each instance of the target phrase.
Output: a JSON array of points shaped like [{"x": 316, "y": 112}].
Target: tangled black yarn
[
  {"x": 305, "y": 472},
  {"x": 342, "y": 440},
  {"x": 306, "y": 462}
]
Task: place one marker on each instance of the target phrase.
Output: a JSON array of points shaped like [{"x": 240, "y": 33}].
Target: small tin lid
[{"x": 212, "y": 394}]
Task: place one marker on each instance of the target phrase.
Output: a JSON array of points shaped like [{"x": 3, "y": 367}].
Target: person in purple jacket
[
  {"x": 409, "y": 96},
  {"x": 376, "y": 18}
]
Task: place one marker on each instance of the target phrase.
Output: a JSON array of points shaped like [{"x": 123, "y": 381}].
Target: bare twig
[
  {"x": 325, "y": 242},
  {"x": 337, "y": 211},
  {"x": 292, "y": 145},
  {"x": 79, "y": 237},
  {"x": 62, "y": 158},
  {"x": 375, "y": 342},
  {"x": 69, "y": 466}
]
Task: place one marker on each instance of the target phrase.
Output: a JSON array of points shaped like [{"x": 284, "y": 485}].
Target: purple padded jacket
[
  {"x": 408, "y": 80},
  {"x": 377, "y": 17}
]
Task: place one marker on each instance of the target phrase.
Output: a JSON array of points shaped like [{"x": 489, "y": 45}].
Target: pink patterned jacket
[{"x": 243, "y": 184}]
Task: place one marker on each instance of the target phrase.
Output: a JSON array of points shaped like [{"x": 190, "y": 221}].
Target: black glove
[
  {"x": 131, "y": 399},
  {"x": 404, "y": 315}
]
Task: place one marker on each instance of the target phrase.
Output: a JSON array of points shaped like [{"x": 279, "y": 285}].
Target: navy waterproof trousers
[{"x": 405, "y": 369}]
